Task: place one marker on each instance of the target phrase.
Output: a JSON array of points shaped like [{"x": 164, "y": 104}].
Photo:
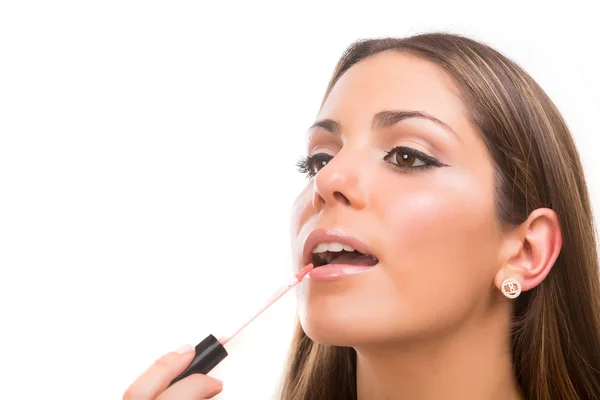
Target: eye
[
  {"x": 401, "y": 157},
  {"x": 407, "y": 158},
  {"x": 310, "y": 165}
]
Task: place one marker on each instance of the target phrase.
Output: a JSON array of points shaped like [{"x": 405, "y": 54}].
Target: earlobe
[{"x": 539, "y": 240}]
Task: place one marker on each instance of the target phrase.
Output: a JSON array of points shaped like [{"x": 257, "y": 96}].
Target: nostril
[{"x": 340, "y": 197}]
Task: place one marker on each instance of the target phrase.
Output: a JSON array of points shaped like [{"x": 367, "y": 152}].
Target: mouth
[
  {"x": 335, "y": 247},
  {"x": 338, "y": 253}
]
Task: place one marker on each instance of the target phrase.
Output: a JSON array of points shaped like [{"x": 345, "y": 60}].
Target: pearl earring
[{"x": 511, "y": 288}]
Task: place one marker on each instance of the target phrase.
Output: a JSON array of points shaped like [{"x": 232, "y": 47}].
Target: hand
[{"x": 154, "y": 383}]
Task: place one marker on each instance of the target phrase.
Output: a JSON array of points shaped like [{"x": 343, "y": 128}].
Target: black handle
[{"x": 209, "y": 353}]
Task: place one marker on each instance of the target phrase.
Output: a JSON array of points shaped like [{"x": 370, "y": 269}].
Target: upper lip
[{"x": 319, "y": 236}]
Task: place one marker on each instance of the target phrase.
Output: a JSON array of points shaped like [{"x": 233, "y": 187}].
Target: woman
[{"x": 447, "y": 212}]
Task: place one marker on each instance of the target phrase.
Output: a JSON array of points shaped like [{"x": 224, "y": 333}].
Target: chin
[
  {"x": 345, "y": 327},
  {"x": 335, "y": 334}
]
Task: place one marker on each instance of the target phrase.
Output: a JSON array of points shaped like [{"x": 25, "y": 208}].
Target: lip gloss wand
[{"x": 211, "y": 351}]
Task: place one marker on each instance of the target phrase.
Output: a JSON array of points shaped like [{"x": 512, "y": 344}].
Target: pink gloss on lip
[{"x": 336, "y": 271}]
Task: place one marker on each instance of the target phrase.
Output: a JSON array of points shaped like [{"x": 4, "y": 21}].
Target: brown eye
[
  {"x": 409, "y": 159},
  {"x": 318, "y": 164},
  {"x": 404, "y": 159},
  {"x": 312, "y": 164}
]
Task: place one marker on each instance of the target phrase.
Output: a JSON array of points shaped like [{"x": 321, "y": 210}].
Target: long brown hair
[{"x": 556, "y": 334}]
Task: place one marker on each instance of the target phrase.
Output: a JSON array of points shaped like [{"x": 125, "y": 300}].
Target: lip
[
  {"x": 335, "y": 271},
  {"x": 319, "y": 236}
]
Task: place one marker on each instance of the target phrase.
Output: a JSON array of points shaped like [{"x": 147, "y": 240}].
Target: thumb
[
  {"x": 157, "y": 378},
  {"x": 193, "y": 387}
]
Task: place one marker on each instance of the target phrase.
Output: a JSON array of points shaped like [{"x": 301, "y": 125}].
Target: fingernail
[
  {"x": 186, "y": 348},
  {"x": 220, "y": 381}
]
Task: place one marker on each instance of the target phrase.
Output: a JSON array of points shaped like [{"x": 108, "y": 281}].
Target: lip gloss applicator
[{"x": 211, "y": 351}]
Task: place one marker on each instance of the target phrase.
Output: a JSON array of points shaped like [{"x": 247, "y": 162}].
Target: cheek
[
  {"x": 302, "y": 211},
  {"x": 442, "y": 235}
]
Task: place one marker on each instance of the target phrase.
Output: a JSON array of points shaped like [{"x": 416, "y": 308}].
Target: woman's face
[{"x": 432, "y": 228}]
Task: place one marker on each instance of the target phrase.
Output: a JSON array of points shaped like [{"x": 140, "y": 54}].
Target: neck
[{"x": 473, "y": 362}]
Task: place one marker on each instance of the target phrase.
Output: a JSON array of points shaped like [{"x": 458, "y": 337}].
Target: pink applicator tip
[{"x": 300, "y": 275}]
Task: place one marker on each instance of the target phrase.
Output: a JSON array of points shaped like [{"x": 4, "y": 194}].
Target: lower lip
[{"x": 336, "y": 271}]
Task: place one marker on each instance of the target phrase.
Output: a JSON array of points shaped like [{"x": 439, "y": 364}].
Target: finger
[
  {"x": 158, "y": 377},
  {"x": 193, "y": 387}
]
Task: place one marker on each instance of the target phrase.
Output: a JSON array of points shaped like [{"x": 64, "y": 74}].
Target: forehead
[{"x": 394, "y": 81}]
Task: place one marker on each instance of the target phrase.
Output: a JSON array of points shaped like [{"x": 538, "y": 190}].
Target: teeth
[
  {"x": 335, "y": 247},
  {"x": 332, "y": 247},
  {"x": 322, "y": 248}
]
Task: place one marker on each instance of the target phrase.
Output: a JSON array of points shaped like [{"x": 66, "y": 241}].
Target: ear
[{"x": 531, "y": 250}]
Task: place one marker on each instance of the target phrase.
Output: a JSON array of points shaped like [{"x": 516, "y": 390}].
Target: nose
[{"x": 339, "y": 183}]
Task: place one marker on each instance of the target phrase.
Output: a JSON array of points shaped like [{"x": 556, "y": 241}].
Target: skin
[
  {"x": 153, "y": 383},
  {"x": 429, "y": 321}
]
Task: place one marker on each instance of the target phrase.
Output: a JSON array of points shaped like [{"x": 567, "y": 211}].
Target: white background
[{"x": 147, "y": 168}]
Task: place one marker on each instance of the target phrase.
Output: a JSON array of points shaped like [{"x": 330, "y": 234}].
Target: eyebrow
[{"x": 384, "y": 119}]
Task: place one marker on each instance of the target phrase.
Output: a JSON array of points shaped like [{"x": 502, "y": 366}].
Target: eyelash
[{"x": 307, "y": 165}]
